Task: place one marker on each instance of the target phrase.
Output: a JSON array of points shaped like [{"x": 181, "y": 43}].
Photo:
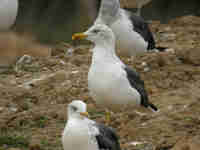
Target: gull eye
[
  {"x": 96, "y": 31},
  {"x": 74, "y": 108}
]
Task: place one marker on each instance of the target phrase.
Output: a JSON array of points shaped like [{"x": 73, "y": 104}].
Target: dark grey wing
[
  {"x": 136, "y": 82},
  {"x": 141, "y": 27},
  {"x": 107, "y": 138},
  {"x": 98, "y": 5}
]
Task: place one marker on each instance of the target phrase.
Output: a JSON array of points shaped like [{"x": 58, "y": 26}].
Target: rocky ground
[{"x": 35, "y": 93}]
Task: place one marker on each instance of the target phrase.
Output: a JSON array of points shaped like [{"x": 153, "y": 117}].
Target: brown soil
[{"x": 33, "y": 117}]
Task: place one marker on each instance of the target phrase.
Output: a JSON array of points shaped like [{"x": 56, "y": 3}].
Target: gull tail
[
  {"x": 153, "y": 107},
  {"x": 161, "y": 49}
]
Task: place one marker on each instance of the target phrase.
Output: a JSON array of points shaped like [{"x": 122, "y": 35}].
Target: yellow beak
[
  {"x": 85, "y": 114},
  {"x": 79, "y": 36}
]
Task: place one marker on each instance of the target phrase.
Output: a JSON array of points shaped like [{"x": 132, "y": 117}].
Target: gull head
[
  {"x": 78, "y": 109},
  {"x": 109, "y": 12},
  {"x": 98, "y": 33}
]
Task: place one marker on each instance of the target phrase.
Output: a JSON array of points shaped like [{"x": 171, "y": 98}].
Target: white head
[
  {"x": 78, "y": 109},
  {"x": 108, "y": 12},
  {"x": 98, "y": 34}
]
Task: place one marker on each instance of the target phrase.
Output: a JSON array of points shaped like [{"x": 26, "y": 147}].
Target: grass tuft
[{"x": 14, "y": 141}]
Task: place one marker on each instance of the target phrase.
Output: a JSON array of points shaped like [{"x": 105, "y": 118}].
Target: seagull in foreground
[
  {"x": 133, "y": 35},
  {"x": 111, "y": 83},
  {"x": 81, "y": 133}
]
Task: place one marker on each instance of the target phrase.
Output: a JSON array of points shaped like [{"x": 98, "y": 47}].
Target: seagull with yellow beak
[
  {"x": 82, "y": 133},
  {"x": 133, "y": 35},
  {"x": 111, "y": 83}
]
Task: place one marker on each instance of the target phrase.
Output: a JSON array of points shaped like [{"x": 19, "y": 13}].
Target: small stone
[
  {"x": 1, "y": 109},
  {"x": 170, "y": 107},
  {"x": 70, "y": 51},
  {"x": 167, "y": 28},
  {"x": 171, "y": 50},
  {"x": 146, "y": 69},
  {"x": 13, "y": 109}
]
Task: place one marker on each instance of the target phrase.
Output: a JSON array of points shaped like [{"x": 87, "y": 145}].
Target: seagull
[
  {"x": 8, "y": 13},
  {"x": 111, "y": 83},
  {"x": 81, "y": 133},
  {"x": 133, "y": 35}
]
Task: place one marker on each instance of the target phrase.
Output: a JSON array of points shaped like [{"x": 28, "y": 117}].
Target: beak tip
[
  {"x": 78, "y": 36},
  {"x": 73, "y": 37},
  {"x": 85, "y": 114}
]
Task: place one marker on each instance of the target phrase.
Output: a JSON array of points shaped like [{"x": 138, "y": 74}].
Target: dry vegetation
[{"x": 33, "y": 112}]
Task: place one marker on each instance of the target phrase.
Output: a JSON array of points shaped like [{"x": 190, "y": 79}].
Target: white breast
[
  {"x": 109, "y": 86},
  {"x": 76, "y": 136}
]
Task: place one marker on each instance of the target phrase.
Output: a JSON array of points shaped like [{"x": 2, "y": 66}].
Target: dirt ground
[{"x": 33, "y": 112}]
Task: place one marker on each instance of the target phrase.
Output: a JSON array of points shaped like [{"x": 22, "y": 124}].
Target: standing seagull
[
  {"x": 111, "y": 83},
  {"x": 133, "y": 35},
  {"x": 80, "y": 133}
]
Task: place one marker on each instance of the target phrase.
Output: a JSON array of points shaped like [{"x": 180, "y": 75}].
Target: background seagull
[
  {"x": 80, "y": 133},
  {"x": 8, "y": 13},
  {"x": 111, "y": 83},
  {"x": 133, "y": 35}
]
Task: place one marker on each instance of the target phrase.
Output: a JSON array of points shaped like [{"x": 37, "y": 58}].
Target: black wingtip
[
  {"x": 153, "y": 107},
  {"x": 161, "y": 49}
]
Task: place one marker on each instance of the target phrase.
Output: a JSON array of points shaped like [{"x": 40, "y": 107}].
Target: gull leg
[
  {"x": 108, "y": 117},
  {"x": 139, "y": 7}
]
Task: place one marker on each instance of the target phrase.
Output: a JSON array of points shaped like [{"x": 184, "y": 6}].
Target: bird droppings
[
  {"x": 136, "y": 143},
  {"x": 70, "y": 51},
  {"x": 75, "y": 72},
  {"x": 146, "y": 69},
  {"x": 144, "y": 64},
  {"x": 172, "y": 82}
]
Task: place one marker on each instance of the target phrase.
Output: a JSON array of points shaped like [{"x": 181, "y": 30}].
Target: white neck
[
  {"x": 104, "y": 51},
  {"x": 73, "y": 115}
]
